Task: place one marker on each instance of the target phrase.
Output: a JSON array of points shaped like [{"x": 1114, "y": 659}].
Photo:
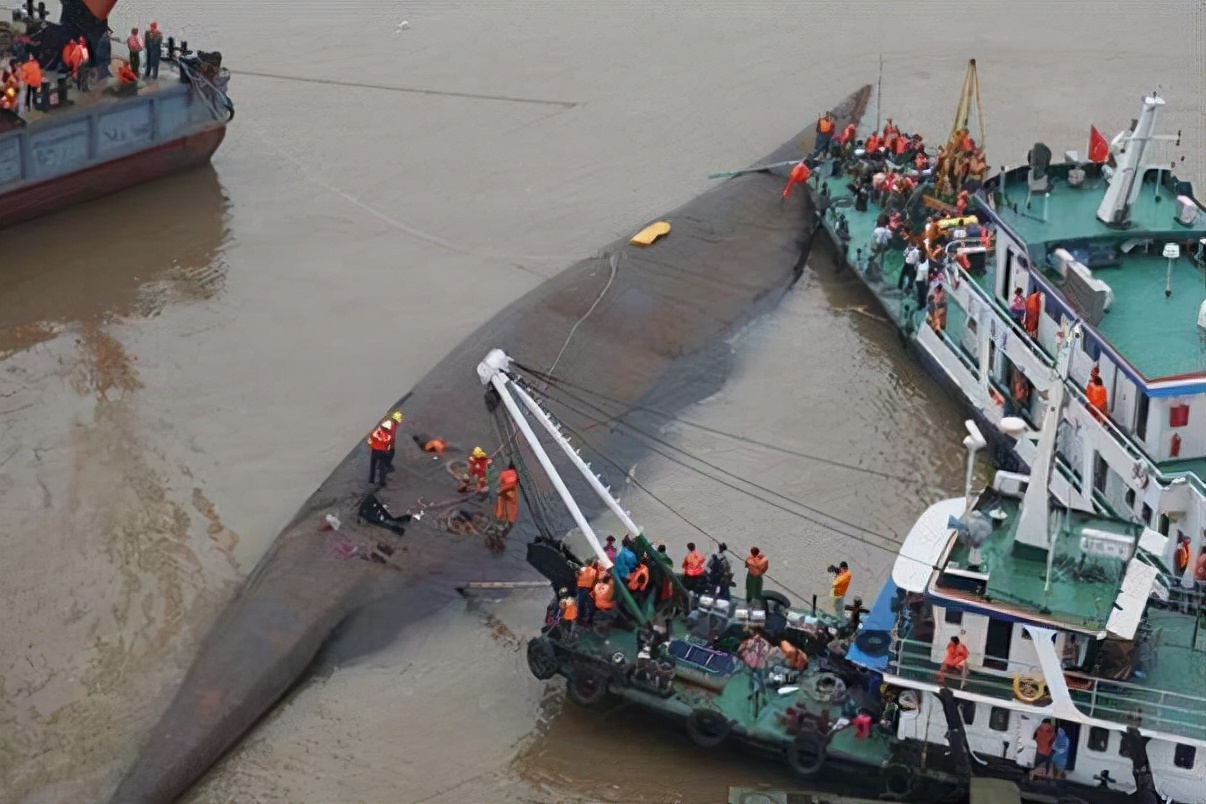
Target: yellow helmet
[
  {"x": 396, "y": 416},
  {"x": 478, "y": 452}
]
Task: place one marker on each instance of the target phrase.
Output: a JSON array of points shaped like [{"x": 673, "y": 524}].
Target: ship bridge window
[
  {"x": 1099, "y": 739},
  {"x": 1184, "y": 755},
  {"x": 963, "y": 583},
  {"x": 968, "y": 710},
  {"x": 953, "y": 617},
  {"x": 998, "y": 719}
]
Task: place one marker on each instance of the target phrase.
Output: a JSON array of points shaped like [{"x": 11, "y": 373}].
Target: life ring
[
  {"x": 874, "y": 643},
  {"x": 542, "y": 658},
  {"x": 1028, "y": 690},
  {"x": 899, "y": 782},
  {"x": 909, "y": 701},
  {"x": 806, "y": 754},
  {"x": 779, "y": 600},
  {"x": 587, "y": 686},
  {"x": 707, "y": 728},
  {"x": 828, "y": 687}
]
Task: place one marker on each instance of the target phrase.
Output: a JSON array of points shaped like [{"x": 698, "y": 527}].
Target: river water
[{"x": 181, "y": 365}]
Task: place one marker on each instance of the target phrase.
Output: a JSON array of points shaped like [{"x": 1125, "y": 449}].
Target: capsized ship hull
[{"x": 653, "y": 312}]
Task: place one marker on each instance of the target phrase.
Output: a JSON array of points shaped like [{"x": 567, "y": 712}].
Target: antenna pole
[{"x": 879, "y": 91}]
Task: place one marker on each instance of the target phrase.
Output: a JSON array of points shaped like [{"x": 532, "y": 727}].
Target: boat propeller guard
[{"x": 588, "y": 685}]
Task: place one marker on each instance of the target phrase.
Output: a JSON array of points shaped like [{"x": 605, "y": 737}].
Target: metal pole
[
  {"x": 879, "y": 91},
  {"x": 500, "y": 385},
  {"x": 603, "y": 491}
]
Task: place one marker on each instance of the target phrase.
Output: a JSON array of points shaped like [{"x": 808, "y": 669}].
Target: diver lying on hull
[{"x": 272, "y": 631}]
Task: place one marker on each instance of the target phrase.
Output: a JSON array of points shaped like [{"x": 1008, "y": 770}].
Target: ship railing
[{"x": 910, "y": 658}]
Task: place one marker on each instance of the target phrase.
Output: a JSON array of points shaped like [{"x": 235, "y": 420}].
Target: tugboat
[
  {"x": 74, "y": 146},
  {"x": 1115, "y": 244},
  {"x": 827, "y": 698},
  {"x": 1067, "y": 619}
]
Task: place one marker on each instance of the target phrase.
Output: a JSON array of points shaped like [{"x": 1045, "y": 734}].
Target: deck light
[{"x": 1171, "y": 252}]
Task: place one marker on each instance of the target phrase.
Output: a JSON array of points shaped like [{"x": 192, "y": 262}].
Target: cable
[
  {"x": 614, "y": 262},
  {"x": 548, "y": 378},
  {"x": 772, "y": 492}
]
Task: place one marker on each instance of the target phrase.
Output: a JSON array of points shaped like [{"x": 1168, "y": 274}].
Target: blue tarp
[{"x": 878, "y": 623}]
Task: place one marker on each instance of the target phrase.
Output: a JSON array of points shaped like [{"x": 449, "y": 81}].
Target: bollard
[
  {"x": 42, "y": 96},
  {"x": 184, "y": 51},
  {"x": 62, "y": 91},
  {"x": 42, "y": 12},
  {"x": 29, "y": 8},
  {"x": 171, "y": 47},
  {"x": 814, "y": 605}
]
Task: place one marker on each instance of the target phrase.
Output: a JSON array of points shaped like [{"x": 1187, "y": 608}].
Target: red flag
[{"x": 1099, "y": 149}]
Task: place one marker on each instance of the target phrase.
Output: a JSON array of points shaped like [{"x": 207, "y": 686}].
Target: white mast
[
  {"x": 493, "y": 371},
  {"x": 1033, "y": 523},
  {"x": 1127, "y": 182}
]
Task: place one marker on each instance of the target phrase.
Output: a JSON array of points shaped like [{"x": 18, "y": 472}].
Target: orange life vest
[
  {"x": 825, "y": 125},
  {"x": 126, "y": 75},
  {"x": 604, "y": 596},
  {"x": 638, "y": 579},
  {"x": 31, "y": 73},
  {"x": 848, "y": 134},
  {"x": 693, "y": 564},
  {"x": 381, "y": 440},
  {"x": 587, "y": 577},
  {"x": 873, "y": 143},
  {"x": 841, "y": 583},
  {"x": 569, "y": 609}
]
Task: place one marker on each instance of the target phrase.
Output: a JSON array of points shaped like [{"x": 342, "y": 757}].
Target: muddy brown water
[{"x": 182, "y": 364}]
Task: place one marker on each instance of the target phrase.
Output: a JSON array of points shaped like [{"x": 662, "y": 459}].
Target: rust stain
[
  {"x": 106, "y": 365},
  {"x": 224, "y": 537}
]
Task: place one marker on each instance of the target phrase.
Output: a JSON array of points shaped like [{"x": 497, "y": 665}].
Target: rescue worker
[
  {"x": 1034, "y": 308},
  {"x": 83, "y": 70},
  {"x": 134, "y": 45},
  {"x": 70, "y": 56},
  {"x": 625, "y": 561},
  {"x": 873, "y": 144},
  {"x": 603, "y": 596},
  {"x": 1181, "y": 556},
  {"x": 954, "y": 661},
  {"x": 588, "y": 575},
  {"x": 638, "y": 580},
  {"x": 891, "y": 135},
  {"x": 569, "y": 611},
  {"x": 154, "y": 48},
  {"x": 478, "y": 463},
  {"x": 1199, "y": 571},
  {"x": 841, "y": 582},
  {"x": 506, "y": 508},
  {"x": 1017, "y": 307},
  {"x": 396, "y": 418},
  {"x": 1099, "y": 403},
  {"x": 799, "y": 175},
  {"x": 937, "y": 309},
  {"x": 825, "y": 131},
  {"x": 380, "y": 441},
  {"x": 846, "y": 138},
  {"x": 10, "y": 93},
  {"x": 126, "y": 74},
  {"x": 665, "y": 587},
  {"x": 719, "y": 574},
  {"x": 693, "y": 569},
  {"x": 756, "y": 565},
  {"x": 31, "y": 74}
]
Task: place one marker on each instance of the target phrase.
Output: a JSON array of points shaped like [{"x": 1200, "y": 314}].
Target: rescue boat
[{"x": 76, "y": 146}]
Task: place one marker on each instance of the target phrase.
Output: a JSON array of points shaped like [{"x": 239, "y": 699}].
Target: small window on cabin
[
  {"x": 1162, "y": 526},
  {"x": 1183, "y": 755},
  {"x": 998, "y": 719},
  {"x": 1099, "y": 739},
  {"x": 968, "y": 710},
  {"x": 1130, "y": 499},
  {"x": 1142, "y": 405},
  {"x": 953, "y": 617},
  {"x": 1147, "y": 515}
]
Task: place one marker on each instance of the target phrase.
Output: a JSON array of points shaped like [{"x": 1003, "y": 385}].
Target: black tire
[
  {"x": 542, "y": 658},
  {"x": 874, "y": 643},
  {"x": 779, "y": 599},
  {"x": 707, "y": 728},
  {"x": 899, "y": 782},
  {"x": 806, "y": 756},
  {"x": 588, "y": 685}
]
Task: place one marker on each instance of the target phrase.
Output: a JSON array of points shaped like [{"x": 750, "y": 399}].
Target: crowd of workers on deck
[{"x": 81, "y": 60}]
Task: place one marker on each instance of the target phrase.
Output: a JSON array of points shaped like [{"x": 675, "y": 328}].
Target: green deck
[
  {"x": 1195, "y": 467},
  {"x": 1083, "y": 590},
  {"x": 1156, "y": 335}
]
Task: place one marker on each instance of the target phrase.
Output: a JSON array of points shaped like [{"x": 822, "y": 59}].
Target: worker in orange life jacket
[
  {"x": 873, "y": 144},
  {"x": 506, "y": 508},
  {"x": 891, "y": 135},
  {"x": 693, "y": 569},
  {"x": 569, "y": 611},
  {"x": 479, "y": 461},
  {"x": 588, "y": 575},
  {"x": 83, "y": 70},
  {"x": 847, "y": 136},
  {"x": 604, "y": 593},
  {"x": 638, "y": 579},
  {"x": 127, "y": 74},
  {"x": 799, "y": 175},
  {"x": 1098, "y": 397},
  {"x": 826, "y": 127},
  {"x": 380, "y": 441}
]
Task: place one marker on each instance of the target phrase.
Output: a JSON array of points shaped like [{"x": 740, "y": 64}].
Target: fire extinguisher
[{"x": 1174, "y": 446}]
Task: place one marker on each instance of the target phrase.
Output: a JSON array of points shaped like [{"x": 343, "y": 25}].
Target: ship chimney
[{"x": 1124, "y": 188}]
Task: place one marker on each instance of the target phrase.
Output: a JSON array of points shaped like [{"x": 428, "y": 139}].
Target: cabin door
[
  {"x": 1072, "y": 729},
  {"x": 997, "y": 644}
]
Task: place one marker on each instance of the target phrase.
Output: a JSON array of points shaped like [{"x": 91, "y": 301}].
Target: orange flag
[
  {"x": 1099, "y": 149},
  {"x": 799, "y": 175}
]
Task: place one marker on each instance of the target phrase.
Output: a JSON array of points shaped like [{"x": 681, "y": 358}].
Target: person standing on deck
[
  {"x": 1017, "y": 307},
  {"x": 603, "y": 596},
  {"x": 31, "y": 74},
  {"x": 478, "y": 462},
  {"x": 506, "y": 508},
  {"x": 609, "y": 548},
  {"x": 1044, "y": 748},
  {"x": 1099, "y": 402},
  {"x": 693, "y": 569},
  {"x": 845, "y": 140},
  {"x": 1034, "y": 309},
  {"x": 756, "y": 565},
  {"x": 154, "y": 48},
  {"x": 720, "y": 574},
  {"x": 937, "y": 309},
  {"x": 83, "y": 70},
  {"x": 588, "y": 575},
  {"x": 908, "y": 269},
  {"x": 841, "y": 583},
  {"x": 825, "y": 130},
  {"x": 104, "y": 55},
  {"x": 134, "y": 45},
  {"x": 625, "y": 561},
  {"x": 569, "y": 611},
  {"x": 380, "y": 441}
]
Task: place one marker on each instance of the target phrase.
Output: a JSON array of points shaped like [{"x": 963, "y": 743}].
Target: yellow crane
[{"x": 961, "y": 151}]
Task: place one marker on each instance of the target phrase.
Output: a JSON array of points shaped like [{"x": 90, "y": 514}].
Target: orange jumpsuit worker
[
  {"x": 604, "y": 593},
  {"x": 848, "y": 134},
  {"x": 380, "y": 441},
  {"x": 127, "y": 74},
  {"x": 693, "y": 568},
  {"x": 638, "y": 579},
  {"x": 507, "y": 506},
  {"x": 478, "y": 462},
  {"x": 587, "y": 577},
  {"x": 954, "y": 661},
  {"x": 31, "y": 74},
  {"x": 1099, "y": 402},
  {"x": 1034, "y": 307},
  {"x": 799, "y": 175}
]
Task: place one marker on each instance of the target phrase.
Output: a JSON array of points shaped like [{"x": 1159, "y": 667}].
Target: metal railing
[{"x": 1120, "y": 702}]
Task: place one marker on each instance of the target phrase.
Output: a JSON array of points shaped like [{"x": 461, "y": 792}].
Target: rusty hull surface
[{"x": 655, "y": 337}]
